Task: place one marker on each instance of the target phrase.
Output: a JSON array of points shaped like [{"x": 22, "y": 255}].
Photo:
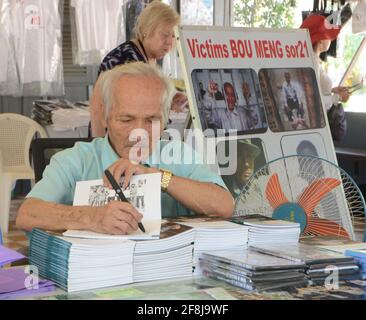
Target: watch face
[{"x": 165, "y": 172}]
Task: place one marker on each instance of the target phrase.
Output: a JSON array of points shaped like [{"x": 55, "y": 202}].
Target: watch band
[{"x": 165, "y": 179}]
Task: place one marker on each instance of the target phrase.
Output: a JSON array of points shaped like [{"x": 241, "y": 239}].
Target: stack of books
[
  {"x": 320, "y": 264},
  {"x": 357, "y": 250},
  {"x": 251, "y": 270},
  {"x": 262, "y": 230},
  {"x": 81, "y": 264},
  {"x": 168, "y": 257},
  {"x": 42, "y": 110},
  {"x": 212, "y": 234},
  {"x": 61, "y": 114}
]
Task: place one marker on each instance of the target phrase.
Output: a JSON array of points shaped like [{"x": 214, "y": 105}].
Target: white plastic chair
[{"x": 16, "y": 134}]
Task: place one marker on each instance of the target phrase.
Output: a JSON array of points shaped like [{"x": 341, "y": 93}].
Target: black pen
[{"x": 118, "y": 191}]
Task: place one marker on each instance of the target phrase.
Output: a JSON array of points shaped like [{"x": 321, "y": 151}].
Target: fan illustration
[{"x": 312, "y": 191}]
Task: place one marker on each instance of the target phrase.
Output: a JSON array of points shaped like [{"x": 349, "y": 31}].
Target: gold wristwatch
[{"x": 166, "y": 176}]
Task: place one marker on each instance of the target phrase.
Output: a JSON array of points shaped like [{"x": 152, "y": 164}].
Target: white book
[
  {"x": 272, "y": 224},
  {"x": 143, "y": 193},
  {"x": 209, "y": 224}
]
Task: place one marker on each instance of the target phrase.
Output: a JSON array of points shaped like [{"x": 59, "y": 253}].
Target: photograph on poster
[
  {"x": 312, "y": 145},
  {"x": 309, "y": 144},
  {"x": 229, "y": 99},
  {"x": 250, "y": 157},
  {"x": 291, "y": 98}
]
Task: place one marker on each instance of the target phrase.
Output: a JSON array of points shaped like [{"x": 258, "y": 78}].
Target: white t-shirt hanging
[
  {"x": 4, "y": 54},
  {"x": 9, "y": 81},
  {"x": 98, "y": 29},
  {"x": 36, "y": 27},
  {"x": 4, "y": 50}
]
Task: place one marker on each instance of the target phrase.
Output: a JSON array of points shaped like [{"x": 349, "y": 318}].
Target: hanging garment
[
  {"x": 4, "y": 54},
  {"x": 98, "y": 29},
  {"x": 131, "y": 11},
  {"x": 9, "y": 80},
  {"x": 36, "y": 30}
]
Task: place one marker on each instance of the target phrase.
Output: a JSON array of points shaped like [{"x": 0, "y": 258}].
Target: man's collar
[{"x": 109, "y": 156}]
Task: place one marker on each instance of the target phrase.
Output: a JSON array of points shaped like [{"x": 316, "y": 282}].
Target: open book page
[{"x": 143, "y": 193}]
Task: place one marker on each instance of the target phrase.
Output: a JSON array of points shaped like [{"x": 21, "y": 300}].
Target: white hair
[{"x": 108, "y": 80}]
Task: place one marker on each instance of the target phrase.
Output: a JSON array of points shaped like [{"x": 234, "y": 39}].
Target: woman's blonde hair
[{"x": 152, "y": 16}]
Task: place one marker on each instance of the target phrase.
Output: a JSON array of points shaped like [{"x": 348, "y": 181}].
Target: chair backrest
[
  {"x": 44, "y": 149},
  {"x": 16, "y": 134}
]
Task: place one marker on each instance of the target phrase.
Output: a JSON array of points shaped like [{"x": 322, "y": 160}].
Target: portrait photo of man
[
  {"x": 229, "y": 100},
  {"x": 233, "y": 116},
  {"x": 292, "y": 99},
  {"x": 293, "y": 104},
  {"x": 249, "y": 158}
]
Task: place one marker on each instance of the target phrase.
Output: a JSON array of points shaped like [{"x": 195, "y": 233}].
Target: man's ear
[{"x": 104, "y": 117}]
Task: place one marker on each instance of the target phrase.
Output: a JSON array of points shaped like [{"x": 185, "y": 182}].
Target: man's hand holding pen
[
  {"x": 116, "y": 218},
  {"x": 119, "y": 193}
]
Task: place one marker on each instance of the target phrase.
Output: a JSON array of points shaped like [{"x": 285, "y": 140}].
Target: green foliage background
[{"x": 264, "y": 13}]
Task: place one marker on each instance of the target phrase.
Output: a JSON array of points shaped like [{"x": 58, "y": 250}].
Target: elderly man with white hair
[{"x": 137, "y": 97}]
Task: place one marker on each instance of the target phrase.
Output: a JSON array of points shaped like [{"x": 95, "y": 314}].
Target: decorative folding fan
[{"x": 312, "y": 191}]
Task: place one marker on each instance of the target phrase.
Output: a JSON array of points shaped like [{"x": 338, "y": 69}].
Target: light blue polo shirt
[{"x": 88, "y": 160}]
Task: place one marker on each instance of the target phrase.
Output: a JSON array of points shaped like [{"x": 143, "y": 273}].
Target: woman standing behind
[
  {"x": 154, "y": 38},
  {"x": 322, "y": 34}
]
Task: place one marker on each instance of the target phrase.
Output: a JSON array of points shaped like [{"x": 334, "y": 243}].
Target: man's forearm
[
  {"x": 36, "y": 213},
  {"x": 201, "y": 197}
]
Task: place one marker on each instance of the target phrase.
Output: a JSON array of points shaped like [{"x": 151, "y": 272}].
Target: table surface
[
  {"x": 202, "y": 288},
  {"x": 353, "y": 153}
]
